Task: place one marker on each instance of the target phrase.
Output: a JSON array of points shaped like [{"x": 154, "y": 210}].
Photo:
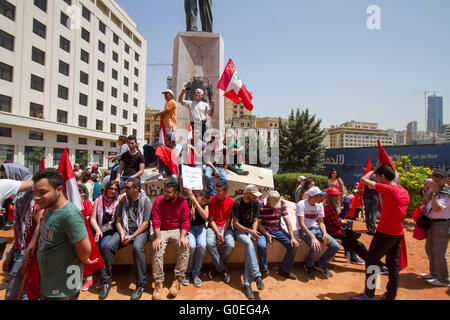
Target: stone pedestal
[{"x": 198, "y": 60}]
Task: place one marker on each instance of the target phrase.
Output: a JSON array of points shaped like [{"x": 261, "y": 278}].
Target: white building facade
[{"x": 72, "y": 73}]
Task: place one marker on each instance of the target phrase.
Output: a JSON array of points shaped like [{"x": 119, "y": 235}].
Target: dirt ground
[{"x": 346, "y": 281}]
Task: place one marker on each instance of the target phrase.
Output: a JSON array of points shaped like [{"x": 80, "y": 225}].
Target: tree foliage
[{"x": 301, "y": 140}]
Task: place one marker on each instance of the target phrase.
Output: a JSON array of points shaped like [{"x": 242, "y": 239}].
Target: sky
[{"x": 317, "y": 54}]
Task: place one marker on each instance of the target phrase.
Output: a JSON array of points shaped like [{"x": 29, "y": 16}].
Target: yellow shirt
[{"x": 170, "y": 119}]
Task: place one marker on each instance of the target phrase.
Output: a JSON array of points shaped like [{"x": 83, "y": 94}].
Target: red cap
[
  {"x": 94, "y": 167},
  {"x": 334, "y": 191}
]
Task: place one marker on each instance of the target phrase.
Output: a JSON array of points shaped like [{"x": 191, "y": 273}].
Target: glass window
[
  {"x": 113, "y": 128},
  {"x": 6, "y": 72},
  {"x": 37, "y": 55},
  {"x": 5, "y": 103},
  {"x": 64, "y": 44},
  {"x": 125, "y": 97},
  {"x": 113, "y": 144},
  {"x": 82, "y": 156},
  {"x": 136, "y": 56},
  {"x": 99, "y": 125},
  {"x": 57, "y": 155},
  {"x": 99, "y": 105},
  {"x": 33, "y": 156},
  {"x": 114, "y": 92},
  {"x": 62, "y": 138},
  {"x": 39, "y": 28},
  {"x": 113, "y": 110},
  {"x": 64, "y": 20},
  {"x": 115, "y": 56},
  {"x": 127, "y": 48},
  {"x": 83, "y": 100},
  {"x": 36, "y": 110},
  {"x": 115, "y": 38},
  {"x": 84, "y": 77},
  {"x": 82, "y": 121},
  {"x": 37, "y": 83},
  {"x": 134, "y": 132},
  {"x": 36, "y": 135},
  {"x": 125, "y": 114},
  {"x": 5, "y": 132},
  {"x": 101, "y": 46},
  {"x": 41, "y": 4},
  {"x": 101, "y": 66},
  {"x": 134, "y": 117},
  {"x": 6, "y": 40},
  {"x": 136, "y": 72},
  {"x": 69, "y": 2},
  {"x": 124, "y": 131},
  {"x": 61, "y": 116},
  {"x": 82, "y": 140},
  {"x": 98, "y": 158},
  {"x": 84, "y": 56},
  {"x": 136, "y": 87},
  {"x": 85, "y": 34},
  {"x": 114, "y": 74},
  {"x": 135, "y": 102},
  {"x": 6, "y": 151},
  {"x": 98, "y": 143},
  {"x": 100, "y": 85},
  {"x": 63, "y": 68},
  {"x": 86, "y": 14},
  {"x": 126, "y": 64},
  {"x": 8, "y": 10},
  {"x": 125, "y": 81},
  {"x": 63, "y": 92},
  {"x": 102, "y": 27}
]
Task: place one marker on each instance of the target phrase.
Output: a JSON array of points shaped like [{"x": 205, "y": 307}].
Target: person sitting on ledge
[
  {"x": 216, "y": 162},
  {"x": 235, "y": 158},
  {"x": 167, "y": 159}
]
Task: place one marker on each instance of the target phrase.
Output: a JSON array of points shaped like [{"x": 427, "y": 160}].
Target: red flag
[
  {"x": 42, "y": 164},
  {"x": 72, "y": 194},
  {"x": 162, "y": 132},
  {"x": 357, "y": 199},
  {"x": 233, "y": 87},
  {"x": 169, "y": 158},
  {"x": 383, "y": 157},
  {"x": 403, "y": 261}
]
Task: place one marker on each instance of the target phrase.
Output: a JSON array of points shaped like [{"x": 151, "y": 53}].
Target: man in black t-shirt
[
  {"x": 245, "y": 214},
  {"x": 132, "y": 163}
]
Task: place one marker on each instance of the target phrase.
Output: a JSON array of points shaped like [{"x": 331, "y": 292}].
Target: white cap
[
  {"x": 253, "y": 190},
  {"x": 301, "y": 178},
  {"x": 199, "y": 91},
  {"x": 168, "y": 91},
  {"x": 314, "y": 191}
]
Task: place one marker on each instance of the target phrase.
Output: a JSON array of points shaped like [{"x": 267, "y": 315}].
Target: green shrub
[{"x": 285, "y": 183}]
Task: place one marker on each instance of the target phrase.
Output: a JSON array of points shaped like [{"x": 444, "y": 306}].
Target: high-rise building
[
  {"x": 72, "y": 73},
  {"x": 411, "y": 132},
  {"x": 237, "y": 116},
  {"x": 434, "y": 113}
]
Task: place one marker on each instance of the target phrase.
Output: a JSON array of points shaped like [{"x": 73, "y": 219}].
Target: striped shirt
[{"x": 271, "y": 217}]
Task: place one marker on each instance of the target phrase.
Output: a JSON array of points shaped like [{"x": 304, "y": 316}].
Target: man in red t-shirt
[
  {"x": 219, "y": 236},
  {"x": 389, "y": 233}
]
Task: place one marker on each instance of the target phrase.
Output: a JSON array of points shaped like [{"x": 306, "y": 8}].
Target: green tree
[
  {"x": 301, "y": 138},
  {"x": 33, "y": 159}
]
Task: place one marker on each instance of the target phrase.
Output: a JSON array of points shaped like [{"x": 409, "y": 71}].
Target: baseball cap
[
  {"x": 168, "y": 91},
  {"x": 440, "y": 172},
  {"x": 333, "y": 191},
  {"x": 314, "y": 191},
  {"x": 253, "y": 190},
  {"x": 94, "y": 167},
  {"x": 301, "y": 178},
  {"x": 274, "y": 198},
  {"x": 199, "y": 90}
]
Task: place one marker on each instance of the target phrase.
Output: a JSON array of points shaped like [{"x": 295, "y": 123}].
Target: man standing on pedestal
[
  {"x": 190, "y": 7},
  {"x": 169, "y": 114}
]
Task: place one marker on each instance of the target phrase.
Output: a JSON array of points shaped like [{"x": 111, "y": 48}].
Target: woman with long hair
[
  {"x": 309, "y": 183},
  {"x": 300, "y": 183},
  {"x": 334, "y": 181}
]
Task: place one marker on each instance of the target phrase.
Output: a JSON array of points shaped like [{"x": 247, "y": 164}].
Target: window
[
  {"x": 125, "y": 114},
  {"x": 115, "y": 74},
  {"x": 37, "y": 83},
  {"x": 81, "y": 141},
  {"x": 101, "y": 46},
  {"x": 136, "y": 87},
  {"x": 36, "y": 135},
  {"x": 134, "y": 117},
  {"x": 126, "y": 64},
  {"x": 5, "y": 103},
  {"x": 116, "y": 38},
  {"x": 85, "y": 34},
  {"x": 100, "y": 85},
  {"x": 97, "y": 158},
  {"x": 113, "y": 144},
  {"x": 7, "y": 9},
  {"x": 136, "y": 56},
  {"x": 6, "y": 40},
  {"x": 57, "y": 155},
  {"x": 136, "y": 72},
  {"x": 115, "y": 56},
  {"x": 86, "y": 14},
  {"x": 39, "y": 28},
  {"x": 69, "y": 2},
  {"x": 63, "y": 68},
  {"x": 124, "y": 131},
  {"x": 113, "y": 128},
  {"x": 64, "y": 44},
  {"x": 6, "y": 151},
  {"x": 61, "y": 116},
  {"x": 63, "y": 92},
  {"x": 37, "y": 55},
  {"x": 41, "y": 4},
  {"x": 6, "y": 72},
  {"x": 125, "y": 81},
  {"x": 84, "y": 56},
  {"x": 98, "y": 143},
  {"x": 127, "y": 48},
  {"x": 99, "y": 105},
  {"x": 61, "y": 138},
  {"x": 5, "y": 132},
  {"x": 135, "y": 102},
  {"x": 101, "y": 66},
  {"x": 125, "y": 97},
  {"x": 84, "y": 77},
  {"x": 102, "y": 27},
  {"x": 114, "y": 92},
  {"x": 64, "y": 20},
  {"x": 134, "y": 132},
  {"x": 82, "y": 121},
  {"x": 83, "y": 99},
  {"x": 113, "y": 110},
  {"x": 36, "y": 110},
  {"x": 99, "y": 124}
]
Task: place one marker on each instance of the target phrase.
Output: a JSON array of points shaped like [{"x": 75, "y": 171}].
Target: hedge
[{"x": 285, "y": 183}]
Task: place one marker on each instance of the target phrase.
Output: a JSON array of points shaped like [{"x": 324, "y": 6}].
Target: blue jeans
[
  {"x": 251, "y": 269},
  {"x": 15, "y": 278},
  {"x": 163, "y": 168},
  {"x": 219, "y": 255},
  {"x": 197, "y": 240},
  {"x": 333, "y": 247},
  {"x": 284, "y": 238},
  {"x": 114, "y": 171},
  {"x": 370, "y": 206},
  {"x": 209, "y": 173}
]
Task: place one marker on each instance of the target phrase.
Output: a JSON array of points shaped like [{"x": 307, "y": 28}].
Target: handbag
[
  {"x": 107, "y": 228},
  {"x": 419, "y": 233},
  {"x": 424, "y": 222}
]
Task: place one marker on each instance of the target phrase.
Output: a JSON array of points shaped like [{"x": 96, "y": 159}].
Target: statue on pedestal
[{"x": 190, "y": 7}]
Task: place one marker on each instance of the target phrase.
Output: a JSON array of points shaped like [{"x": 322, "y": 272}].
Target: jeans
[
  {"x": 197, "y": 244},
  {"x": 209, "y": 173},
  {"x": 149, "y": 154},
  {"x": 114, "y": 171},
  {"x": 163, "y": 168},
  {"x": 220, "y": 255},
  {"x": 436, "y": 248},
  {"x": 371, "y": 214},
  {"x": 109, "y": 251},
  {"x": 251, "y": 268},
  {"x": 381, "y": 245},
  {"x": 15, "y": 278},
  {"x": 122, "y": 181},
  {"x": 333, "y": 247},
  {"x": 284, "y": 238}
]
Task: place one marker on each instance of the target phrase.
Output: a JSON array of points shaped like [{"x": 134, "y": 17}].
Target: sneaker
[
  {"x": 309, "y": 272},
  {"x": 288, "y": 275},
  {"x": 427, "y": 276},
  {"x": 265, "y": 273},
  {"x": 212, "y": 273},
  {"x": 157, "y": 293},
  {"x": 361, "y": 296},
  {"x": 323, "y": 270},
  {"x": 248, "y": 292},
  {"x": 437, "y": 283},
  {"x": 104, "y": 291},
  {"x": 186, "y": 281},
  {"x": 226, "y": 276},
  {"x": 137, "y": 294},
  {"x": 160, "y": 176},
  {"x": 87, "y": 284},
  {"x": 98, "y": 285},
  {"x": 357, "y": 261},
  {"x": 175, "y": 287},
  {"x": 259, "y": 283},
  {"x": 197, "y": 282}
]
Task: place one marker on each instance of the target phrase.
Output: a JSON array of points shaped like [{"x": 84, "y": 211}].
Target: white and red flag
[
  {"x": 162, "y": 132},
  {"x": 70, "y": 182},
  {"x": 233, "y": 87}
]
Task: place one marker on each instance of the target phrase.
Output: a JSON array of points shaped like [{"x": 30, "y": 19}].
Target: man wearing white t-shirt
[
  {"x": 9, "y": 188},
  {"x": 311, "y": 229},
  {"x": 199, "y": 109}
]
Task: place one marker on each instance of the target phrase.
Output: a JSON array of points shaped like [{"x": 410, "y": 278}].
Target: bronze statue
[{"x": 190, "y": 7}]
